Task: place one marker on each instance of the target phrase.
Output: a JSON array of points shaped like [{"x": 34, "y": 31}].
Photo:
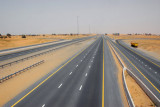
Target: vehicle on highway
[{"x": 134, "y": 44}]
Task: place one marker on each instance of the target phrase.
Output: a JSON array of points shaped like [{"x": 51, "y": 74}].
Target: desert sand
[
  {"x": 10, "y": 88},
  {"x": 151, "y": 47},
  {"x": 124, "y": 36},
  {"x": 138, "y": 95}
]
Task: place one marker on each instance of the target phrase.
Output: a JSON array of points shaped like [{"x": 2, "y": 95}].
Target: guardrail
[
  {"x": 23, "y": 59},
  {"x": 20, "y": 71}
]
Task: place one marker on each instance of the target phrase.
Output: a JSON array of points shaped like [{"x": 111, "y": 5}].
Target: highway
[
  {"x": 36, "y": 48},
  {"x": 89, "y": 79},
  {"x": 147, "y": 69}
]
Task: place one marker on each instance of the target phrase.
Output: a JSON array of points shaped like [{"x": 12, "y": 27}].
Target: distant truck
[{"x": 134, "y": 44}]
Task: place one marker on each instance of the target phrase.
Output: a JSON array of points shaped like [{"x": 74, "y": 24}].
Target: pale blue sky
[{"x": 60, "y": 16}]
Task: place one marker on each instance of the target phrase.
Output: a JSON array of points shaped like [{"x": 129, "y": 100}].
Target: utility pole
[
  {"x": 89, "y": 29},
  {"x": 77, "y": 25}
]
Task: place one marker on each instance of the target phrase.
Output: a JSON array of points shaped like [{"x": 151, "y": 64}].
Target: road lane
[
  {"x": 79, "y": 83},
  {"x": 112, "y": 93},
  {"x": 37, "y": 49}
]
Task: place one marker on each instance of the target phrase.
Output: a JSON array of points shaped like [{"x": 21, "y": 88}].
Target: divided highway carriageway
[{"x": 89, "y": 79}]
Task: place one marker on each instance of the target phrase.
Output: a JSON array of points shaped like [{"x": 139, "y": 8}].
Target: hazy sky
[{"x": 60, "y": 16}]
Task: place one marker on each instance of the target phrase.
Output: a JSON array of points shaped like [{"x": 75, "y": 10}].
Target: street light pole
[
  {"x": 77, "y": 26},
  {"x": 89, "y": 29}
]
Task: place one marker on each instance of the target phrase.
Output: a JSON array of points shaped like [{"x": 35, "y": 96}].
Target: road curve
[{"x": 147, "y": 70}]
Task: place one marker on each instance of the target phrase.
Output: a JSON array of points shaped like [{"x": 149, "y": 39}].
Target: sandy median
[
  {"x": 10, "y": 88},
  {"x": 138, "y": 95}
]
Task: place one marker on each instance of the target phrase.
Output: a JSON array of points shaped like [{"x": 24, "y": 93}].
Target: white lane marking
[
  {"x": 89, "y": 66},
  {"x": 76, "y": 65},
  {"x": 80, "y": 87},
  {"x": 149, "y": 68},
  {"x": 43, "y": 105},
  {"x": 139, "y": 60},
  {"x": 86, "y": 74},
  {"x": 70, "y": 73},
  {"x": 145, "y": 65},
  {"x": 142, "y": 62},
  {"x": 156, "y": 72},
  {"x": 81, "y": 60},
  {"x": 60, "y": 86},
  {"x": 93, "y": 57},
  {"x": 92, "y": 61}
]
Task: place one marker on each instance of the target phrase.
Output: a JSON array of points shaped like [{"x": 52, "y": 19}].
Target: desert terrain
[{"x": 148, "y": 44}]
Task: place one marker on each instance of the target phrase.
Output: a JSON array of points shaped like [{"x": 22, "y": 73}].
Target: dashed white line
[
  {"x": 145, "y": 65},
  {"x": 89, "y": 66},
  {"x": 142, "y": 62},
  {"x": 76, "y": 65},
  {"x": 80, "y": 87},
  {"x": 86, "y": 74},
  {"x": 91, "y": 61},
  {"x": 70, "y": 73},
  {"x": 60, "y": 86},
  {"x": 149, "y": 68},
  {"x": 156, "y": 72},
  {"x": 43, "y": 105}
]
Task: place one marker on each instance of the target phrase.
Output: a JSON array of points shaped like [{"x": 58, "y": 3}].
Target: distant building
[
  {"x": 116, "y": 34},
  {"x": 148, "y": 34}
]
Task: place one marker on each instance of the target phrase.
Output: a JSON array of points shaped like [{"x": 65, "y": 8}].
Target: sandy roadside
[
  {"x": 150, "y": 47},
  {"x": 139, "y": 96},
  {"x": 14, "y": 86},
  {"x": 124, "y": 36}
]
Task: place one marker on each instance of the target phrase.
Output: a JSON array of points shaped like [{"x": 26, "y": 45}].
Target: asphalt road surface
[
  {"x": 147, "y": 69},
  {"x": 36, "y": 49},
  {"x": 87, "y": 80}
]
